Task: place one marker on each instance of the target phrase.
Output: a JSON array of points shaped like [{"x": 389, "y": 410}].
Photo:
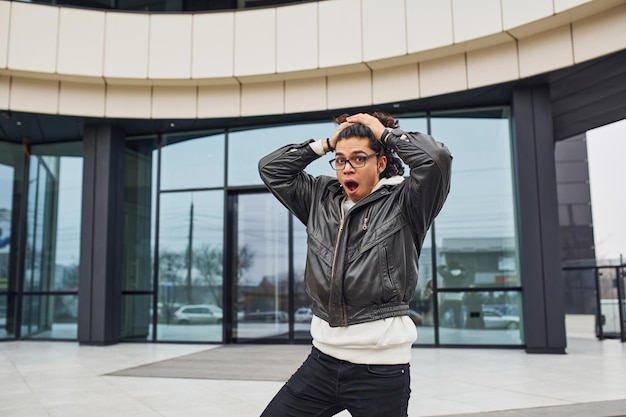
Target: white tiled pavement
[{"x": 64, "y": 379}]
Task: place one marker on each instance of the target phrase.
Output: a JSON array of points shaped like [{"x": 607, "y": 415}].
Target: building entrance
[{"x": 268, "y": 252}]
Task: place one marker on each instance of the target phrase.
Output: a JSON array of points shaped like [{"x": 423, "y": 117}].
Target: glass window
[
  {"x": 413, "y": 123},
  {"x": 136, "y": 317},
  {"x": 11, "y": 174},
  {"x": 476, "y": 233},
  {"x": 422, "y": 306},
  {"x": 480, "y": 318},
  {"x": 190, "y": 265},
  {"x": 302, "y": 302},
  {"x": 54, "y": 216},
  {"x": 140, "y": 191},
  {"x": 247, "y": 147},
  {"x": 139, "y": 213},
  {"x": 53, "y": 241},
  {"x": 192, "y": 161},
  {"x": 50, "y": 316}
]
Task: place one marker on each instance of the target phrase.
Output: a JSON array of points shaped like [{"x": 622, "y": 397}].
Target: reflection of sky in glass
[
  {"x": 70, "y": 205},
  {"x": 194, "y": 163},
  {"x": 6, "y": 186},
  {"x": 245, "y": 148},
  {"x": 480, "y": 203}
]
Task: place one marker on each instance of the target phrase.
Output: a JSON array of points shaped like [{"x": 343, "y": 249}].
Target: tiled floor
[{"x": 63, "y": 379}]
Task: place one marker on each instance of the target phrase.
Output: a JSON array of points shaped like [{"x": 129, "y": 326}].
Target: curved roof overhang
[{"x": 289, "y": 61}]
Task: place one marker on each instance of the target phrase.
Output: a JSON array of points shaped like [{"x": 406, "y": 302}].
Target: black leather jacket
[{"x": 363, "y": 267}]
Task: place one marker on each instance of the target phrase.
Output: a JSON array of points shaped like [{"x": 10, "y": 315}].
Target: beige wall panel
[
  {"x": 81, "y": 99},
  {"x": 396, "y": 84},
  {"x": 33, "y": 37},
  {"x": 475, "y": 19},
  {"x": 213, "y": 45},
  {"x": 305, "y": 95},
  {"x": 5, "y": 88},
  {"x": 385, "y": 29},
  {"x": 5, "y": 17},
  {"x": 126, "y": 45},
  {"x": 255, "y": 42},
  {"x": 296, "y": 37},
  {"x": 545, "y": 52},
  {"x": 600, "y": 35},
  {"x": 561, "y": 5},
  {"x": 128, "y": 101},
  {"x": 350, "y": 90},
  {"x": 35, "y": 96},
  {"x": 340, "y": 40},
  {"x": 262, "y": 98},
  {"x": 219, "y": 101},
  {"x": 170, "y": 46},
  {"x": 445, "y": 75},
  {"x": 492, "y": 65},
  {"x": 516, "y": 13},
  {"x": 174, "y": 102},
  {"x": 81, "y": 42},
  {"x": 429, "y": 24}
]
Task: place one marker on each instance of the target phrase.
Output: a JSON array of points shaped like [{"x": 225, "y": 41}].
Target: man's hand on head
[{"x": 368, "y": 120}]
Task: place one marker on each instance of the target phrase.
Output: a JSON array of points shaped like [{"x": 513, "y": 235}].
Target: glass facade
[
  {"x": 477, "y": 264},
  {"x": 45, "y": 302},
  {"x": 210, "y": 256}
]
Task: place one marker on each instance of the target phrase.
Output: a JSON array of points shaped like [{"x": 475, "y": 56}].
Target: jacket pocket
[{"x": 389, "y": 274}]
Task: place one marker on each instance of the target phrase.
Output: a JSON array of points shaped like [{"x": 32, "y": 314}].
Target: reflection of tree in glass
[
  {"x": 208, "y": 262},
  {"x": 70, "y": 277},
  {"x": 170, "y": 264},
  {"x": 244, "y": 259},
  {"x": 174, "y": 286}
]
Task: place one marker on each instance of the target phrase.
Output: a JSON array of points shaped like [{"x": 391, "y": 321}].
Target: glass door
[{"x": 262, "y": 269}]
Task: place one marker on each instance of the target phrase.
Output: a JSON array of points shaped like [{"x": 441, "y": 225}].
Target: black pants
[{"x": 324, "y": 386}]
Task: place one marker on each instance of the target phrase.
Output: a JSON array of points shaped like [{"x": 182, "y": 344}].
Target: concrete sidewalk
[{"x": 64, "y": 379}]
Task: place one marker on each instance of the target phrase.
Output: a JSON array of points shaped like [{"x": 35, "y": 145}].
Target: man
[{"x": 365, "y": 231}]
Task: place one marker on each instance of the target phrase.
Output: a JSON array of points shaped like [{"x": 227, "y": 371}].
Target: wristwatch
[{"x": 399, "y": 133}]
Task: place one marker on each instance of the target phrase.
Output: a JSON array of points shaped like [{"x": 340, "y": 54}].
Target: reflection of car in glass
[
  {"x": 199, "y": 313},
  {"x": 303, "y": 315},
  {"x": 267, "y": 317},
  {"x": 416, "y": 317},
  {"x": 494, "y": 319}
]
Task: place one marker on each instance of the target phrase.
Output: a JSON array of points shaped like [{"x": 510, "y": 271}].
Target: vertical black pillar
[
  {"x": 537, "y": 204},
  {"x": 100, "y": 273}
]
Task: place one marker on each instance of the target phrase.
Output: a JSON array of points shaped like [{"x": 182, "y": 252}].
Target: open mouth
[{"x": 350, "y": 185}]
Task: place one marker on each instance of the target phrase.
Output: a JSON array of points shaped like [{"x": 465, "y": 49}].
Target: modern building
[{"x": 130, "y": 204}]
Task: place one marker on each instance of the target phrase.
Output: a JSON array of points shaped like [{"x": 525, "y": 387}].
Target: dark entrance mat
[{"x": 231, "y": 362}]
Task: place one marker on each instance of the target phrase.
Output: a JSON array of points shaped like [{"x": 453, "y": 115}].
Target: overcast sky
[{"x": 606, "y": 147}]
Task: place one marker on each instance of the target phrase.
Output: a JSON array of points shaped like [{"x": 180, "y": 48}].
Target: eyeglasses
[{"x": 355, "y": 162}]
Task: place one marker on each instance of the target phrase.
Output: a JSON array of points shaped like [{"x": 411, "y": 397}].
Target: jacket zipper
[
  {"x": 344, "y": 318},
  {"x": 367, "y": 217},
  {"x": 332, "y": 269}
]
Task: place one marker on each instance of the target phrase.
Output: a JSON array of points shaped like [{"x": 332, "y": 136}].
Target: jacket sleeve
[
  {"x": 428, "y": 185},
  {"x": 282, "y": 171}
]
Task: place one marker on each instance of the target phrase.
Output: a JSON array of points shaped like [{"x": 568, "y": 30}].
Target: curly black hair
[{"x": 394, "y": 164}]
